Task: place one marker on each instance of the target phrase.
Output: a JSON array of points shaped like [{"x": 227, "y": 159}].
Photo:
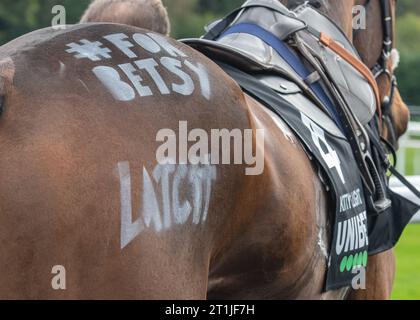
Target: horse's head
[
  {"x": 376, "y": 46},
  {"x": 146, "y": 14}
]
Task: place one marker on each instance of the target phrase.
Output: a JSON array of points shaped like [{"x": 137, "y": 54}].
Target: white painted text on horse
[
  {"x": 183, "y": 197},
  {"x": 145, "y": 75}
]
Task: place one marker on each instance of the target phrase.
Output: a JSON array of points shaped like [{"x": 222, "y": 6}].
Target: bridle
[{"x": 381, "y": 68}]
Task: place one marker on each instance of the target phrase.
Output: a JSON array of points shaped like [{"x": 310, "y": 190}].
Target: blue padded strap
[{"x": 287, "y": 54}]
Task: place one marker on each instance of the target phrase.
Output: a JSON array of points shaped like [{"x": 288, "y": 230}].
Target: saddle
[
  {"x": 243, "y": 46},
  {"x": 308, "y": 60}
]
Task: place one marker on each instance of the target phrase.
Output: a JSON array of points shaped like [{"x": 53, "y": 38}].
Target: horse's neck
[{"x": 341, "y": 12}]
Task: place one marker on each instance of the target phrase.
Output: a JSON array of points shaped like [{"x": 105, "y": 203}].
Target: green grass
[
  {"x": 407, "y": 282},
  {"x": 412, "y": 157}
]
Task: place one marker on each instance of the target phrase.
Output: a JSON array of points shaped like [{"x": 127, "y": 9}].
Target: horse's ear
[{"x": 7, "y": 72}]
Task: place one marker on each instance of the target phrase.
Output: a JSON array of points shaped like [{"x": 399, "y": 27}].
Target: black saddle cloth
[{"x": 382, "y": 231}]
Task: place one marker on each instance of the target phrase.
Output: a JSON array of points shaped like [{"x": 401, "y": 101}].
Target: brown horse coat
[
  {"x": 77, "y": 155},
  {"x": 62, "y": 137}
]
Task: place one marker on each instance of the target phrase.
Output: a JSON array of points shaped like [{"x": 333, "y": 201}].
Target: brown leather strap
[{"x": 356, "y": 63}]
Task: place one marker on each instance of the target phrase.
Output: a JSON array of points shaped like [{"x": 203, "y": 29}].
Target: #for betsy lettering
[{"x": 145, "y": 76}]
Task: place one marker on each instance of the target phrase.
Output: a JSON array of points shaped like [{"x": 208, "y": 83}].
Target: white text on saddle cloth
[{"x": 142, "y": 76}]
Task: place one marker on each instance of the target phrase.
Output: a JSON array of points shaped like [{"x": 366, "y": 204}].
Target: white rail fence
[
  {"x": 409, "y": 154},
  {"x": 409, "y": 160},
  {"x": 399, "y": 188}
]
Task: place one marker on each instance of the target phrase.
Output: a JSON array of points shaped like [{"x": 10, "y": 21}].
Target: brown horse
[{"x": 82, "y": 193}]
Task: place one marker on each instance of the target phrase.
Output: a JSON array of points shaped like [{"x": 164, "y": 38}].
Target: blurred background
[{"x": 188, "y": 17}]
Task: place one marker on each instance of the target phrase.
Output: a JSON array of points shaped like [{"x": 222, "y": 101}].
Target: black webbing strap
[
  {"x": 387, "y": 165},
  {"x": 404, "y": 181}
]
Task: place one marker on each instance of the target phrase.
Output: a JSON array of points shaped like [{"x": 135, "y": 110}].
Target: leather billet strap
[{"x": 356, "y": 63}]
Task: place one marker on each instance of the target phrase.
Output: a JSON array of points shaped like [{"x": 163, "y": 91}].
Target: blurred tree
[
  {"x": 186, "y": 19},
  {"x": 408, "y": 33},
  {"x": 18, "y": 17},
  {"x": 190, "y": 16},
  {"x": 408, "y": 6},
  {"x": 408, "y": 39},
  {"x": 219, "y": 7}
]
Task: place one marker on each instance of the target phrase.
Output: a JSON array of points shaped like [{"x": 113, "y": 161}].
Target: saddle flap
[
  {"x": 234, "y": 55},
  {"x": 353, "y": 86},
  {"x": 322, "y": 23}
]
